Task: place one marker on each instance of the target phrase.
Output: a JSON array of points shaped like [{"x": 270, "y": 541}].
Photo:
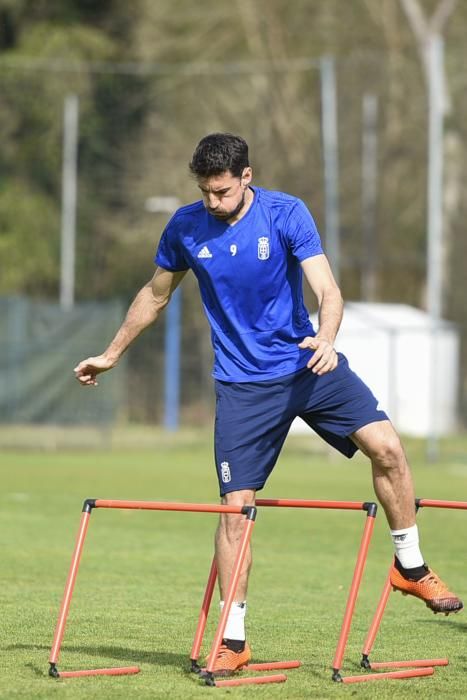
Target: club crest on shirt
[{"x": 263, "y": 248}]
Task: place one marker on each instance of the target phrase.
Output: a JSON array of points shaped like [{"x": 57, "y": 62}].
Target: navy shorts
[{"x": 253, "y": 419}]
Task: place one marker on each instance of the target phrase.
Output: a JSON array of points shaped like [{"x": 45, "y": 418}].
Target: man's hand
[
  {"x": 324, "y": 358},
  {"x": 87, "y": 370}
]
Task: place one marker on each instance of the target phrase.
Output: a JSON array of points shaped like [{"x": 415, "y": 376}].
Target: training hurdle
[
  {"x": 89, "y": 505},
  {"x": 249, "y": 512},
  {"x": 377, "y": 618},
  {"x": 370, "y": 509}
]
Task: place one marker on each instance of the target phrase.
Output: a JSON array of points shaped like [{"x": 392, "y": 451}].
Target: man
[{"x": 249, "y": 249}]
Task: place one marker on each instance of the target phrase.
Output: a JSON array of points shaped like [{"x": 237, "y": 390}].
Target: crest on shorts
[
  {"x": 225, "y": 472},
  {"x": 263, "y": 248}
]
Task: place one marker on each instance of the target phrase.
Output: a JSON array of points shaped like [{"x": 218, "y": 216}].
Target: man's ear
[{"x": 246, "y": 177}]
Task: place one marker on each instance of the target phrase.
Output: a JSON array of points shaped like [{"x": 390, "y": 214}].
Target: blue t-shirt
[{"x": 250, "y": 281}]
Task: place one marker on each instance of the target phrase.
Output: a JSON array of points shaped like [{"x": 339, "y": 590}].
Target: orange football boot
[
  {"x": 228, "y": 661},
  {"x": 430, "y": 589}
]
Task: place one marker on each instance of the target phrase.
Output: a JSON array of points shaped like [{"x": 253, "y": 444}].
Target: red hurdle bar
[
  {"x": 69, "y": 586},
  {"x": 277, "y": 678},
  {"x": 412, "y": 673},
  {"x": 352, "y": 598},
  {"x": 371, "y": 509},
  {"x": 418, "y": 663},
  {"x": 272, "y": 665},
  {"x": 207, "y": 673},
  {"x": 89, "y": 505},
  {"x": 301, "y": 503},
  {"x": 376, "y": 622},
  {"x": 122, "y": 671},
  {"x": 161, "y": 505},
  {"x": 203, "y": 618},
  {"x": 429, "y": 503},
  {"x": 234, "y": 578}
]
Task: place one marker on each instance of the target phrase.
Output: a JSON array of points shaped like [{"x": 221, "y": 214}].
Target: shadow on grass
[
  {"x": 36, "y": 670},
  {"x": 155, "y": 658},
  {"x": 452, "y": 624}
]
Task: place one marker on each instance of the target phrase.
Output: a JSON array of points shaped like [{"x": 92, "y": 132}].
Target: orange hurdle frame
[
  {"x": 371, "y": 509},
  {"x": 248, "y": 511},
  {"x": 376, "y": 622}
]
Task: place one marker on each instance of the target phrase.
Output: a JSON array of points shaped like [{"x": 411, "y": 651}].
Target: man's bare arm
[
  {"x": 321, "y": 280},
  {"x": 144, "y": 310}
]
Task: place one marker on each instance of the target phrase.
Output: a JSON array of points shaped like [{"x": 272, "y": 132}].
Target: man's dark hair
[{"x": 217, "y": 153}]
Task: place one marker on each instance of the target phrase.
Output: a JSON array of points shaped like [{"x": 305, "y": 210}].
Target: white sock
[
  {"x": 406, "y": 547},
  {"x": 235, "y": 627}
]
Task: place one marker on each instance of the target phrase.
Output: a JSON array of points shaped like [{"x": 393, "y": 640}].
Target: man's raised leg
[{"x": 393, "y": 486}]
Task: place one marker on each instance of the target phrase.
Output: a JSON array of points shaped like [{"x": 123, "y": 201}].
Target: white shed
[{"x": 411, "y": 365}]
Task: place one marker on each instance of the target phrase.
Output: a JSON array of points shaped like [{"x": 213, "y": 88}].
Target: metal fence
[{"x": 39, "y": 347}]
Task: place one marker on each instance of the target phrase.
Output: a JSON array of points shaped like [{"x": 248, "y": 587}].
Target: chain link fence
[{"x": 39, "y": 346}]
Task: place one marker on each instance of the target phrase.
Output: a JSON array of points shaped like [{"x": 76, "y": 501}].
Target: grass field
[{"x": 142, "y": 575}]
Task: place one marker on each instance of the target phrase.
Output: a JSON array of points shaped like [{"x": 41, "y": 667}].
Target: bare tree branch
[
  {"x": 417, "y": 20},
  {"x": 424, "y": 29},
  {"x": 441, "y": 15}
]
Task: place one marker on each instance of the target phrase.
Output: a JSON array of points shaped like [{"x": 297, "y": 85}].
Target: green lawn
[{"x": 142, "y": 574}]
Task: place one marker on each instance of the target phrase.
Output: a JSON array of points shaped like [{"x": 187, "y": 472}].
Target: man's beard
[{"x": 225, "y": 216}]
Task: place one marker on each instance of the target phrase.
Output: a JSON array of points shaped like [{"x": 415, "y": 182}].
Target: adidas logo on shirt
[{"x": 205, "y": 252}]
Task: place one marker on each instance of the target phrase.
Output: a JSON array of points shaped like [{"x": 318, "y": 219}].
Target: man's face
[{"x": 224, "y": 195}]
